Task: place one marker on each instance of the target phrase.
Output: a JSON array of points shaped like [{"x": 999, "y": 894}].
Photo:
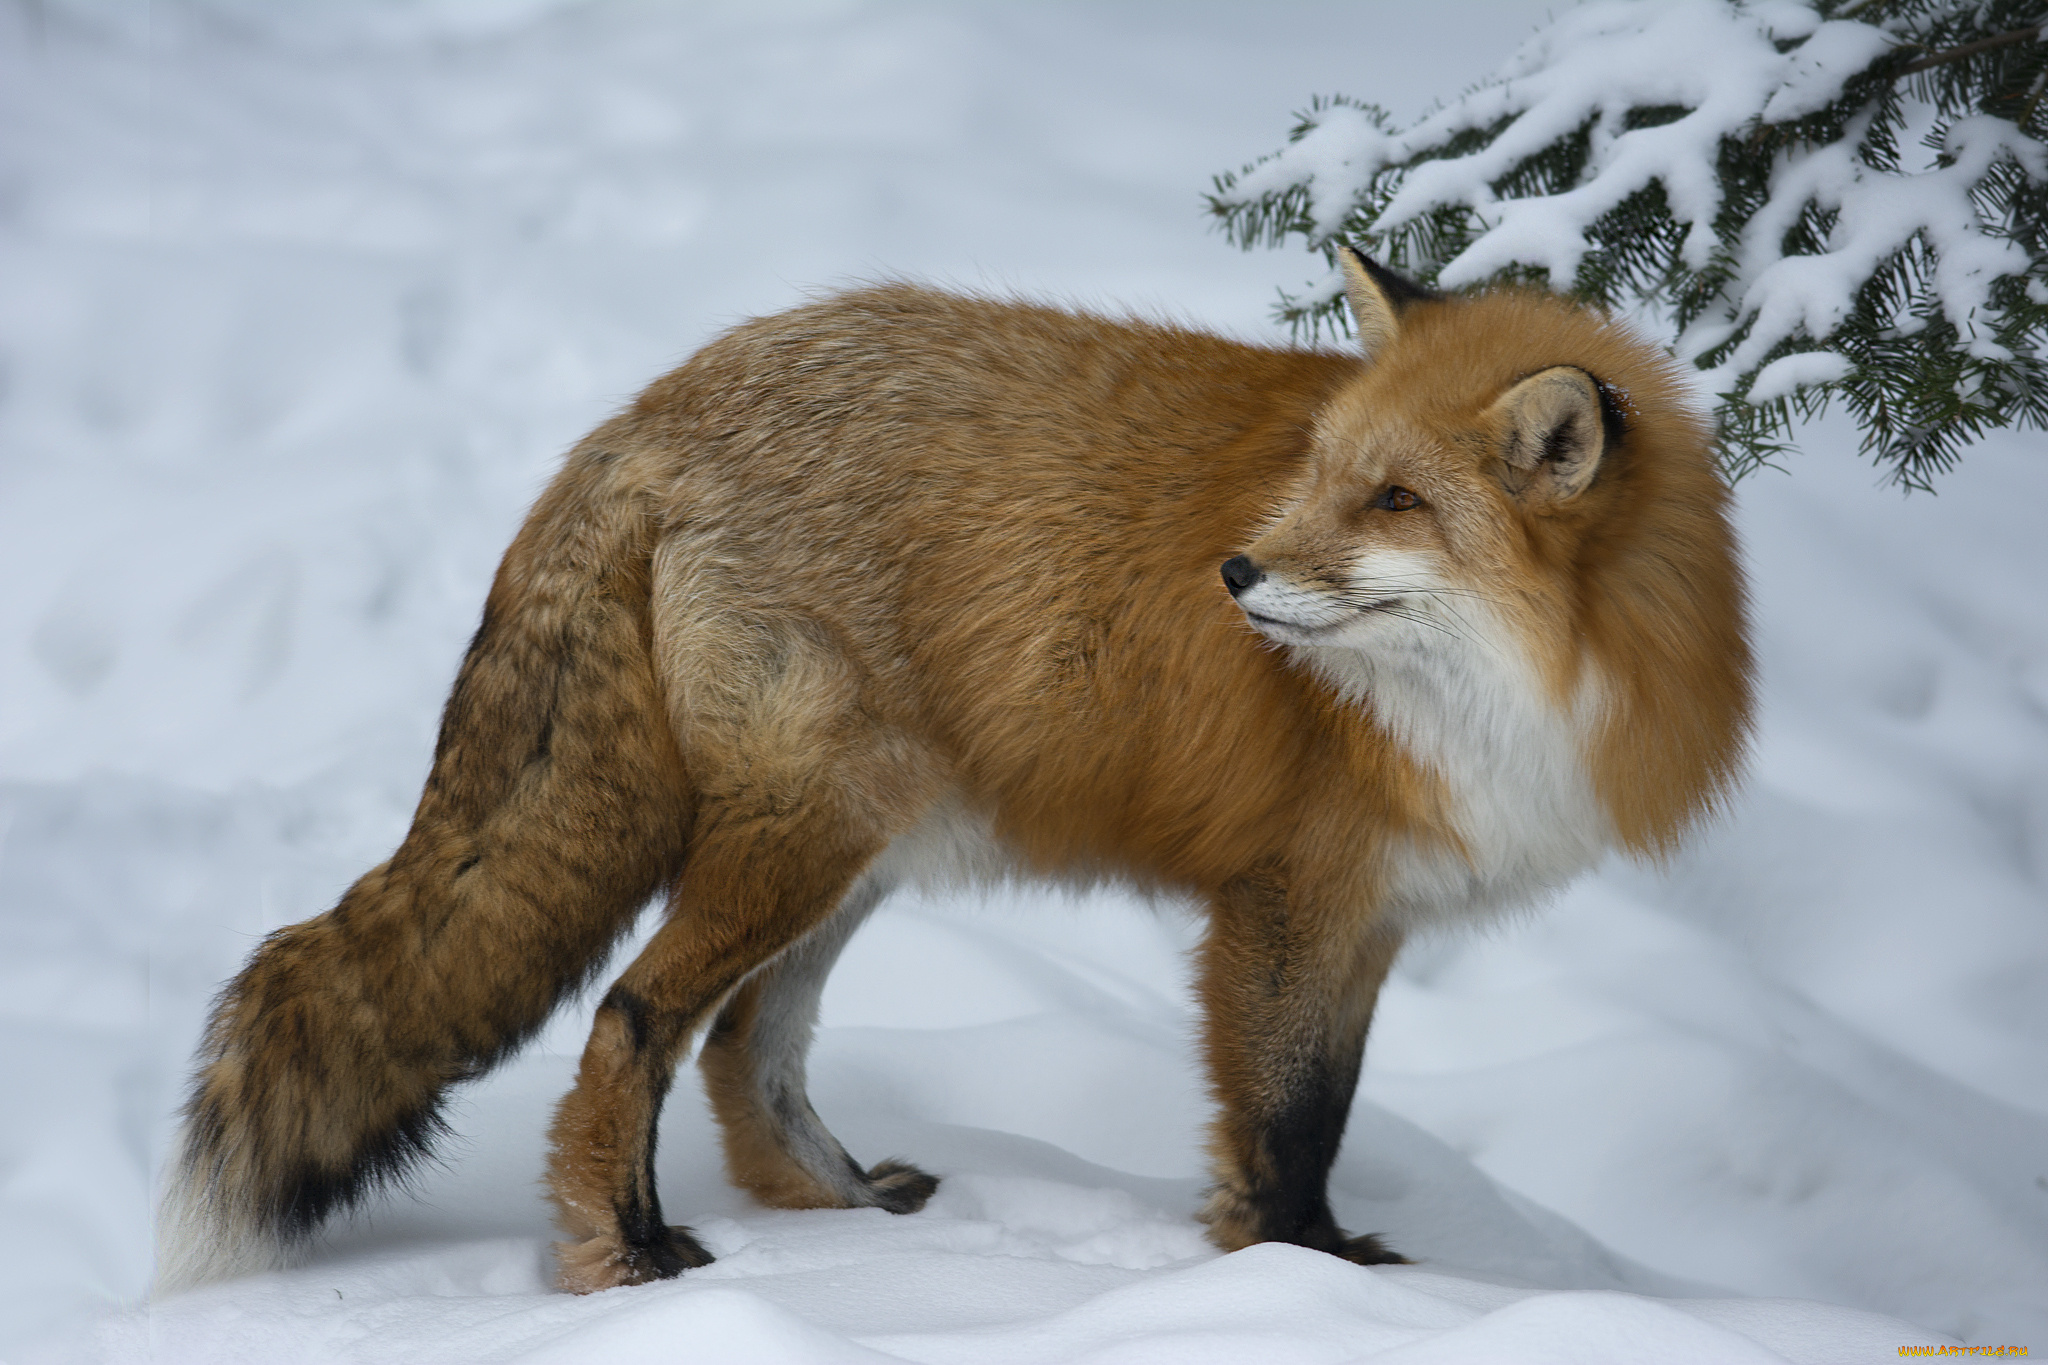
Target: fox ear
[
  {"x": 1373, "y": 314},
  {"x": 1376, "y": 295},
  {"x": 1553, "y": 434}
]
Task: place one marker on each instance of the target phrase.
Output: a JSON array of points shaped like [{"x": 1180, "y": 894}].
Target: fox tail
[{"x": 556, "y": 807}]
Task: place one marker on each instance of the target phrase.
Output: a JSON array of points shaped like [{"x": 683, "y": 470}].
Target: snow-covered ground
[{"x": 300, "y": 304}]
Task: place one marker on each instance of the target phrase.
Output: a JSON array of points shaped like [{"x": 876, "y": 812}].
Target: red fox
[{"x": 905, "y": 585}]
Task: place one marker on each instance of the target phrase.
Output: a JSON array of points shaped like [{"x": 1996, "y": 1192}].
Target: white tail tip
[{"x": 202, "y": 1239}]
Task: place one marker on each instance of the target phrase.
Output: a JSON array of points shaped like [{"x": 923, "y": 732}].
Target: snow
[
  {"x": 302, "y": 305},
  {"x": 1721, "y": 63},
  {"x": 1810, "y": 295},
  {"x": 1789, "y": 373}
]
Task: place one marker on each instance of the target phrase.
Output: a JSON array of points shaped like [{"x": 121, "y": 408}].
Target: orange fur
[{"x": 904, "y": 577}]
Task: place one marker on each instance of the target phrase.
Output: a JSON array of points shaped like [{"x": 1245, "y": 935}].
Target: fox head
[
  {"x": 1515, "y": 503},
  {"x": 1441, "y": 478}
]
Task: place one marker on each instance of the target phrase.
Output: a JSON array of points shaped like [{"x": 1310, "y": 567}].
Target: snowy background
[{"x": 300, "y": 305}]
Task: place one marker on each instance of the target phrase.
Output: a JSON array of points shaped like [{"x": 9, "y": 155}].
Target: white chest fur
[{"x": 1470, "y": 709}]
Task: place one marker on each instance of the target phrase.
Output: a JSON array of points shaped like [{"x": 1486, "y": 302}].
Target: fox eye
[{"x": 1397, "y": 499}]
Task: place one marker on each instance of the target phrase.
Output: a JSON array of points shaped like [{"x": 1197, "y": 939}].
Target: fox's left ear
[
  {"x": 1377, "y": 297},
  {"x": 1554, "y": 433}
]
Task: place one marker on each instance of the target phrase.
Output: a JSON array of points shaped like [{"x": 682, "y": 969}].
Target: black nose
[{"x": 1240, "y": 573}]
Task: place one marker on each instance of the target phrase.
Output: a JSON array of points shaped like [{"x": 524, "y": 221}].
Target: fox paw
[
  {"x": 1369, "y": 1250},
  {"x": 900, "y": 1187},
  {"x": 604, "y": 1262}
]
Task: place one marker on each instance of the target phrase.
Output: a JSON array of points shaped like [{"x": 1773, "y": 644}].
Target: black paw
[
  {"x": 1369, "y": 1251},
  {"x": 900, "y": 1187},
  {"x": 666, "y": 1255}
]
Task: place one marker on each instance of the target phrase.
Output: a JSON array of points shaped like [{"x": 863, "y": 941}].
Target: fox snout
[{"x": 1240, "y": 574}]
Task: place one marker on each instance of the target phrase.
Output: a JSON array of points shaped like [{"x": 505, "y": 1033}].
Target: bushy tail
[{"x": 556, "y": 806}]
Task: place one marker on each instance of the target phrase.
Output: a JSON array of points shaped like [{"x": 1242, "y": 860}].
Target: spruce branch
[
  {"x": 1815, "y": 203},
  {"x": 1954, "y": 54}
]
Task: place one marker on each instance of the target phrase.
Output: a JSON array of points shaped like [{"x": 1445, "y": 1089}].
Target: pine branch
[
  {"x": 1800, "y": 246},
  {"x": 1956, "y": 54}
]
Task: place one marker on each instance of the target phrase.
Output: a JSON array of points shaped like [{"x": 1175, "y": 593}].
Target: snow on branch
[{"x": 1815, "y": 200}]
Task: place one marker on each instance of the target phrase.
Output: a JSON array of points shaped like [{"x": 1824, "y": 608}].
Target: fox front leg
[{"x": 1288, "y": 994}]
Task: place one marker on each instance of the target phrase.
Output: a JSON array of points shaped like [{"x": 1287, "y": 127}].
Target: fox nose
[{"x": 1239, "y": 573}]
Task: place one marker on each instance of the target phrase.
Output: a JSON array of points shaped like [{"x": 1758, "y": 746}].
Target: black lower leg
[
  {"x": 652, "y": 1248},
  {"x": 1297, "y": 1146}
]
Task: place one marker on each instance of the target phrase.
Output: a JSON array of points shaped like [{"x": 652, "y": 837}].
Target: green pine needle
[{"x": 1921, "y": 384}]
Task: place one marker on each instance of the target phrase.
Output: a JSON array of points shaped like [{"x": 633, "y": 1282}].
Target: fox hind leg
[
  {"x": 753, "y": 1065},
  {"x": 797, "y": 792},
  {"x": 734, "y": 909}
]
